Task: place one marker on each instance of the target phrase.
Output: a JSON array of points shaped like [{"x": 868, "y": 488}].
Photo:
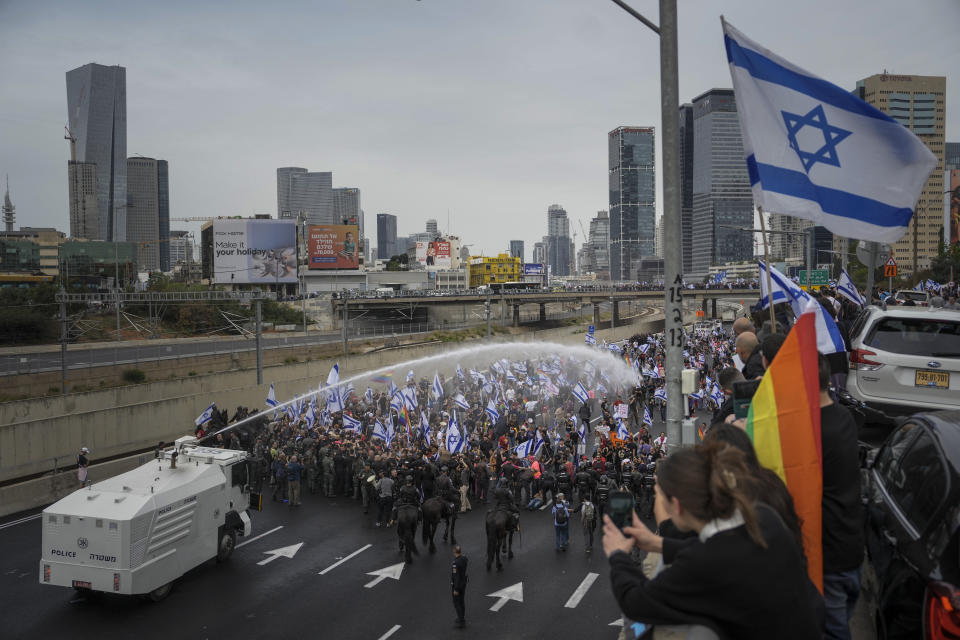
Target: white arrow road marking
[
  {"x": 392, "y": 631},
  {"x": 286, "y": 552},
  {"x": 616, "y": 623},
  {"x": 255, "y": 538},
  {"x": 393, "y": 571},
  {"x": 513, "y": 592},
  {"x": 342, "y": 560},
  {"x": 581, "y": 590}
]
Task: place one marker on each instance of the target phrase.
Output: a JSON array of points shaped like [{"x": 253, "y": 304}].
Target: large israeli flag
[
  {"x": 352, "y": 424},
  {"x": 454, "y": 440},
  {"x": 272, "y": 397},
  {"x": 461, "y": 402},
  {"x": 816, "y": 151},
  {"x": 848, "y": 290},
  {"x": 380, "y": 432},
  {"x": 206, "y": 416},
  {"x": 437, "y": 387}
]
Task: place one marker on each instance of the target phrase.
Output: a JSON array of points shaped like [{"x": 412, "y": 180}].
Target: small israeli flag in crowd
[
  {"x": 334, "y": 376},
  {"x": 461, "y": 402},
  {"x": 352, "y": 424},
  {"x": 817, "y": 152},
  {"x": 524, "y": 448},
  {"x": 590, "y": 340},
  {"x": 647, "y": 419},
  {"x": 829, "y": 339},
  {"x": 380, "y": 432},
  {"x": 272, "y": 397},
  {"x": 437, "y": 387},
  {"x": 454, "y": 439},
  {"x": 368, "y": 396},
  {"x": 660, "y": 394},
  {"x": 622, "y": 432},
  {"x": 848, "y": 290},
  {"x": 580, "y": 393},
  {"x": 717, "y": 395},
  {"x": 492, "y": 411},
  {"x": 207, "y": 414}
]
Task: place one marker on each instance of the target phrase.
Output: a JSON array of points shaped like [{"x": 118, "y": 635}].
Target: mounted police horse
[
  {"x": 500, "y": 528},
  {"x": 407, "y": 517},
  {"x": 435, "y": 509}
]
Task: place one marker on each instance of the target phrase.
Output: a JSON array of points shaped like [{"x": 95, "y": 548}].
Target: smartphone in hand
[{"x": 621, "y": 505}]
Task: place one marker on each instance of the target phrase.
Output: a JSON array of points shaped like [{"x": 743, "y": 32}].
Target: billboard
[
  {"x": 254, "y": 251},
  {"x": 531, "y": 269},
  {"x": 951, "y": 229},
  {"x": 434, "y": 255},
  {"x": 333, "y": 246}
]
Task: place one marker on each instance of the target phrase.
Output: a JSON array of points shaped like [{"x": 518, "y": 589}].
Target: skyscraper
[
  {"x": 432, "y": 226},
  {"x": 721, "y": 188},
  {"x": 82, "y": 190},
  {"x": 539, "y": 253},
  {"x": 918, "y": 103},
  {"x": 632, "y": 198},
  {"x": 181, "y": 247},
  {"x": 600, "y": 244},
  {"x": 386, "y": 236},
  {"x": 148, "y": 212},
  {"x": 310, "y": 192},
  {"x": 558, "y": 247},
  {"x": 516, "y": 249},
  {"x": 686, "y": 187},
  {"x": 951, "y": 156},
  {"x": 97, "y": 116}
]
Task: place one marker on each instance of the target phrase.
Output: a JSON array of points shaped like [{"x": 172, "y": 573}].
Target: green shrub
[{"x": 134, "y": 376}]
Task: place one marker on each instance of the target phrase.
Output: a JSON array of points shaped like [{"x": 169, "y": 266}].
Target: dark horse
[
  {"x": 434, "y": 509},
  {"x": 407, "y": 530},
  {"x": 499, "y": 536}
]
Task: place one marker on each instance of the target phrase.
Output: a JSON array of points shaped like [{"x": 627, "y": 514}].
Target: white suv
[{"x": 906, "y": 359}]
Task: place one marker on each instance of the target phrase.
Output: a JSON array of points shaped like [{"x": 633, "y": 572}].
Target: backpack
[
  {"x": 589, "y": 511},
  {"x": 561, "y": 514}
]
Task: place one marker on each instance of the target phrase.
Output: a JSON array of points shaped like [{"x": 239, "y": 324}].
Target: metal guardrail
[{"x": 164, "y": 296}]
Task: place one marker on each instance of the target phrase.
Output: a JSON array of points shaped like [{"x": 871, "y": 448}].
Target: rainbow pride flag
[
  {"x": 383, "y": 378},
  {"x": 784, "y": 424}
]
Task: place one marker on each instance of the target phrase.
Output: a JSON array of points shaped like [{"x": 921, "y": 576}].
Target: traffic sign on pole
[{"x": 890, "y": 268}]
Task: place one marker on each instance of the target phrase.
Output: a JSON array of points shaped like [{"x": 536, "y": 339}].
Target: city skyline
[{"x": 508, "y": 157}]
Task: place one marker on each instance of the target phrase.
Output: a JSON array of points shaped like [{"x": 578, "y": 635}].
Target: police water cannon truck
[{"x": 137, "y": 532}]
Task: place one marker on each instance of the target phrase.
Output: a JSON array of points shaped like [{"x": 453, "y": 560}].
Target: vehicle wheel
[
  {"x": 161, "y": 592},
  {"x": 228, "y": 542}
]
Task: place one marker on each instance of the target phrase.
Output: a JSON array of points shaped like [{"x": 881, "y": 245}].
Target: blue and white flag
[
  {"x": 580, "y": 393},
  {"x": 660, "y": 394},
  {"x": 380, "y": 432},
  {"x": 410, "y": 398},
  {"x": 829, "y": 339},
  {"x": 206, "y": 416},
  {"x": 460, "y": 372},
  {"x": 310, "y": 416},
  {"x": 396, "y": 401},
  {"x": 717, "y": 395},
  {"x": 492, "y": 411},
  {"x": 454, "y": 440},
  {"x": 848, "y": 290},
  {"x": 538, "y": 442},
  {"x": 334, "y": 400},
  {"x": 590, "y": 340},
  {"x": 582, "y": 430},
  {"x": 272, "y": 397},
  {"x": 334, "y": 376},
  {"x": 461, "y": 402},
  {"x": 816, "y": 151},
  {"x": 411, "y": 375},
  {"x": 622, "y": 432},
  {"x": 647, "y": 419},
  {"x": 437, "y": 387},
  {"x": 524, "y": 449},
  {"x": 368, "y": 395},
  {"x": 352, "y": 424}
]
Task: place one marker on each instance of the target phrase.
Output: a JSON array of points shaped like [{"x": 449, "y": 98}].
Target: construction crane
[{"x": 67, "y": 135}]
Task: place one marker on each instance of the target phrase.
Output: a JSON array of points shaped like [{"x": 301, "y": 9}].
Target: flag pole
[{"x": 766, "y": 260}]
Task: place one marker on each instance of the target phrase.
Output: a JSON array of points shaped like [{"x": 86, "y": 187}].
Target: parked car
[
  {"x": 912, "y": 494},
  {"x": 905, "y": 359},
  {"x": 919, "y": 298}
]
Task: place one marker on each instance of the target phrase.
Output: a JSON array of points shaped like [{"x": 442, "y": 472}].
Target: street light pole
[{"x": 673, "y": 258}]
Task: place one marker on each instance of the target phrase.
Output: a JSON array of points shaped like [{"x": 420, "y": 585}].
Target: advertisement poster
[
  {"x": 530, "y": 269},
  {"x": 333, "y": 246},
  {"x": 434, "y": 255},
  {"x": 953, "y": 209},
  {"x": 254, "y": 251}
]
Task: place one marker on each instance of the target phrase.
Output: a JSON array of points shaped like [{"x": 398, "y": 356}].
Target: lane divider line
[
  {"x": 581, "y": 590},
  {"x": 341, "y": 561},
  {"x": 392, "y": 631},
  {"x": 20, "y": 521},
  {"x": 255, "y": 538}
]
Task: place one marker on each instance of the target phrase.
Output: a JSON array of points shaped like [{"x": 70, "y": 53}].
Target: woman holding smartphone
[{"x": 743, "y": 576}]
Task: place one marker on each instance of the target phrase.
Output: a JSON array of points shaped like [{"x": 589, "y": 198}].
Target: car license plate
[
  {"x": 934, "y": 379},
  {"x": 81, "y": 584}
]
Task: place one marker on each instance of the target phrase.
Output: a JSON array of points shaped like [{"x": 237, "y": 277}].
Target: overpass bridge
[{"x": 433, "y": 304}]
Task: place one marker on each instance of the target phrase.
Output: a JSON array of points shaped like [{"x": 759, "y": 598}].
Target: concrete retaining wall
[{"x": 36, "y": 433}]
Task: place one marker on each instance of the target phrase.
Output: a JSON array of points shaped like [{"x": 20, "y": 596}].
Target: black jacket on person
[
  {"x": 728, "y": 583},
  {"x": 458, "y": 574},
  {"x": 753, "y": 367},
  {"x": 843, "y": 538}
]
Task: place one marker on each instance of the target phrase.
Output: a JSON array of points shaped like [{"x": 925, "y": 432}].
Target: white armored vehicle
[{"x": 139, "y": 531}]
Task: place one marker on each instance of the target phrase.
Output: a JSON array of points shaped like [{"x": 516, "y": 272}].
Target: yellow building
[{"x": 503, "y": 268}]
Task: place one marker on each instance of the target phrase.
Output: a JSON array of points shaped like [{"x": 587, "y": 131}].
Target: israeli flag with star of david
[{"x": 816, "y": 151}]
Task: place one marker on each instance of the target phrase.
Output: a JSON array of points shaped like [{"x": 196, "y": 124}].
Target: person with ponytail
[{"x": 743, "y": 578}]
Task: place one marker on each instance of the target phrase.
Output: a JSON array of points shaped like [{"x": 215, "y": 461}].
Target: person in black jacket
[
  {"x": 458, "y": 584},
  {"x": 842, "y": 523},
  {"x": 748, "y": 348},
  {"x": 742, "y": 576}
]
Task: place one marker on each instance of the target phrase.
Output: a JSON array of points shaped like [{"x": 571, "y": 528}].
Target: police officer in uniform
[
  {"x": 505, "y": 502},
  {"x": 603, "y": 495},
  {"x": 458, "y": 584},
  {"x": 447, "y": 492}
]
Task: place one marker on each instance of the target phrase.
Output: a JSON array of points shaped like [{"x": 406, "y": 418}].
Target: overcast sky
[{"x": 489, "y": 109}]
